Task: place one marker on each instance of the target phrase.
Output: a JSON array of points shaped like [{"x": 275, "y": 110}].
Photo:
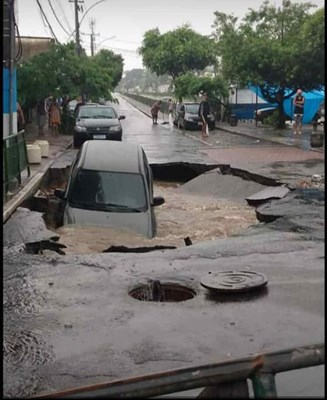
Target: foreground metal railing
[
  {"x": 225, "y": 379},
  {"x": 14, "y": 158}
]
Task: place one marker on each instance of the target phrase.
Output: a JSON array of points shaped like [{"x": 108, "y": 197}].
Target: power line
[
  {"x": 53, "y": 34},
  {"x": 63, "y": 14},
  {"x": 58, "y": 20},
  {"x": 120, "y": 49}
]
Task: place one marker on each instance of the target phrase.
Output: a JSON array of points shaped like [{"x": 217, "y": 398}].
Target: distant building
[
  {"x": 31, "y": 46},
  {"x": 163, "y": 88}
]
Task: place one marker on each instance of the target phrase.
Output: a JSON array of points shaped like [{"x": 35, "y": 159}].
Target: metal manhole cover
[{"x": 234, "y": 281}]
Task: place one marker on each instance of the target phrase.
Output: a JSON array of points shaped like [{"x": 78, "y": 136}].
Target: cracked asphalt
[{"x": 69, "y": 320}]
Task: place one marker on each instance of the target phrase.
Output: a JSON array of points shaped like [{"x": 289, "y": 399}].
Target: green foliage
[
  {"x": 277, "y": 48},
  {"x": 176, "y": 52},
  {"x": 189, "y": 85},
  {"x": 112, "y": 63},
  {"x": 60, "y": 71}
]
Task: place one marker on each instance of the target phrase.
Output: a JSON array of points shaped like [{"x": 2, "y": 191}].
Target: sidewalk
[
  {"x": 57, "y": 144},
  {"x": 260, "y": 132}
]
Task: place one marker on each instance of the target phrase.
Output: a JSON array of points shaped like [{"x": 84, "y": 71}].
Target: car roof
[
  {"x": 107, "y": 155},
  {"x": 95, "y": 105}
]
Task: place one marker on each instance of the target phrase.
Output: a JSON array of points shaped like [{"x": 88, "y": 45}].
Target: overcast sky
[{"x": 125, "y": 21}]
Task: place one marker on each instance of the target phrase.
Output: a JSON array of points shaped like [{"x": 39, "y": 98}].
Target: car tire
[
  {"x": 185, "y": 125},
  {"x": 77, "y": 143}
]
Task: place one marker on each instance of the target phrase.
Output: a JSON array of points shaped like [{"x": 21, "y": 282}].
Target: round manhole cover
[{"x": 234, "y": 281}]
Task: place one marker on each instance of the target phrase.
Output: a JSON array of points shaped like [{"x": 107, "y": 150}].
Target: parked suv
[
  {"x": 110, "y": 184},
  {"x": 187, "y": 117},
  {"x": 95, "y": 121}
]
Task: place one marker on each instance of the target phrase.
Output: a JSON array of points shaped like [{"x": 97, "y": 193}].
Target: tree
[
  {"x": 279, "y": 49},
  {"x": 176, "y": 52},
  {"x": 60, "y": 71},
  {"x": 190, "y": 85},
  {"x": 112, "y": 63}
]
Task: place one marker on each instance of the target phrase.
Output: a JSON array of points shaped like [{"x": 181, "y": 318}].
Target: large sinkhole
[
  {"x": 202, "y": 202},
  {"x": 157, "y": 291}
]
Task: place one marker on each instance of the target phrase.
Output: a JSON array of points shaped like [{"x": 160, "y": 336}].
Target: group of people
[
  {"x": 204, "y": 111},
  {"x": 48, "y": 110}
]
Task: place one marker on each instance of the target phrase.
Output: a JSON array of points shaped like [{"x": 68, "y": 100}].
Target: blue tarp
[{"x": 311, "y": 106}]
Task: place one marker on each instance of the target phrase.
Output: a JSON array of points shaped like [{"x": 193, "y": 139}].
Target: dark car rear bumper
[
  {"x": 196, "y": 124},
  {"x": 81, "y": 137}
]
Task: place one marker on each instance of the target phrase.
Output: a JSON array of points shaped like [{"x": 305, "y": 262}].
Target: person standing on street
[
  {"x": 204, "y": 111},
  {"x": 41, "y": 114},
  {"x": 154, "y": 112},
  {"x": 20, "y": 118},
  {"x": 171, "y": 108},
  {"x": 55, "y": 119},
  {"x": 298, "y": 103},
  {"x": 80, "y": 102}
]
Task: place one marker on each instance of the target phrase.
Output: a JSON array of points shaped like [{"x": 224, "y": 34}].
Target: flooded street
[
  {"x": 70, "y": 318},
  {"x": 199, "y": 217}
]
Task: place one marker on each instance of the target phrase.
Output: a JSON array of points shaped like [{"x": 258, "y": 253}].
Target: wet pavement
[{"x": 69, "y": 320}]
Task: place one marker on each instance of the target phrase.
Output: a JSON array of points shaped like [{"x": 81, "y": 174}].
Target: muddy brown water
[{"x": 182, "y": 215}]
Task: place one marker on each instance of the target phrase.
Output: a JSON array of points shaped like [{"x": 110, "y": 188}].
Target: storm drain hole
[{"x": 162, "y": 292}]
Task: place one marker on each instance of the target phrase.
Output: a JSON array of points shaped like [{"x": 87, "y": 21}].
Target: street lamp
[
  {"x": 80, "y": 22},
  {"x": 104, "y": 40},
  {"x": 90, "y": 8}
]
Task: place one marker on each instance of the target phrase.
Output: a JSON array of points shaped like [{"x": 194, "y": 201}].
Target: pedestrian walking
[
  {"x": 298, "y": 103},
  {"x": 47, "y": 108},
  {"x": 55, "y": 119},
  {"x": 41, "y": 115},
  {"x": 154, "y": 111},
  {"x": 204, "y": 111},
  {"x": 171, "y": 109}
]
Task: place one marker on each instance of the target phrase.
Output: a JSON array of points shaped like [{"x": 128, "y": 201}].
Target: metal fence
[
  {"x": 14, "y": 159},
  {"x": 221, "y": 380}
]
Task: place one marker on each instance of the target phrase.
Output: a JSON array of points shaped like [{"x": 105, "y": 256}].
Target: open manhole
[
  {"x": 156, "y": 291},
  {"x": 233, "y": 281}
]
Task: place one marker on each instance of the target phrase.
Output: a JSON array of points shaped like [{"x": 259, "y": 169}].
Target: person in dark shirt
[
  {"x": 41, "y": 115},
  {"x": 154, "y": 112},
  {"x": 80, "y": 102},
  {"x": 298, "y": 103},
  {"x": 204, "y": 111},
  {"x": 20, "y": 118}
]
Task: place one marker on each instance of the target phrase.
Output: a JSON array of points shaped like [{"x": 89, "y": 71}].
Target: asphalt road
[{"x": 69, "y": 320}]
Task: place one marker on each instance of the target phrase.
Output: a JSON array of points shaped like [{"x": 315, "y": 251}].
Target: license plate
[{"x": 99, "y": 136}]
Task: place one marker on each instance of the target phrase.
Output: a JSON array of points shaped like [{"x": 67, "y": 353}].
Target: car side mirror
[
  {"x": 60, "y": 194},
  {"x": 157, "y": 201},
  {"x": 121, "y": 117}
]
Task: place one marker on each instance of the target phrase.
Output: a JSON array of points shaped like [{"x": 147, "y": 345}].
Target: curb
[
  {"x": 28, "y": 189},
  {"x": 268, "y": 140}
]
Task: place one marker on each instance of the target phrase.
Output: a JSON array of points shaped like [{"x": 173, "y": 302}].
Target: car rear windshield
[
  {"x": 97, "y": 112},
  {"x": 192, "y": 108},
  {"x": 110, "y": 191}
]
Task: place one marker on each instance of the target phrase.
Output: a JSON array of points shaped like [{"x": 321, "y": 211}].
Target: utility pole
[
  {"x": 78, "y": 40},
  {"x": 92, "y": 35}
]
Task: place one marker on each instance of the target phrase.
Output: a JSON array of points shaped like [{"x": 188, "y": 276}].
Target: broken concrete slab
[
  {"x": 26, "y": 226},
  {"x": 269, "y": 193},
  {"x": 289, "y": 212},
  {"x": 216, "y": 184}
]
